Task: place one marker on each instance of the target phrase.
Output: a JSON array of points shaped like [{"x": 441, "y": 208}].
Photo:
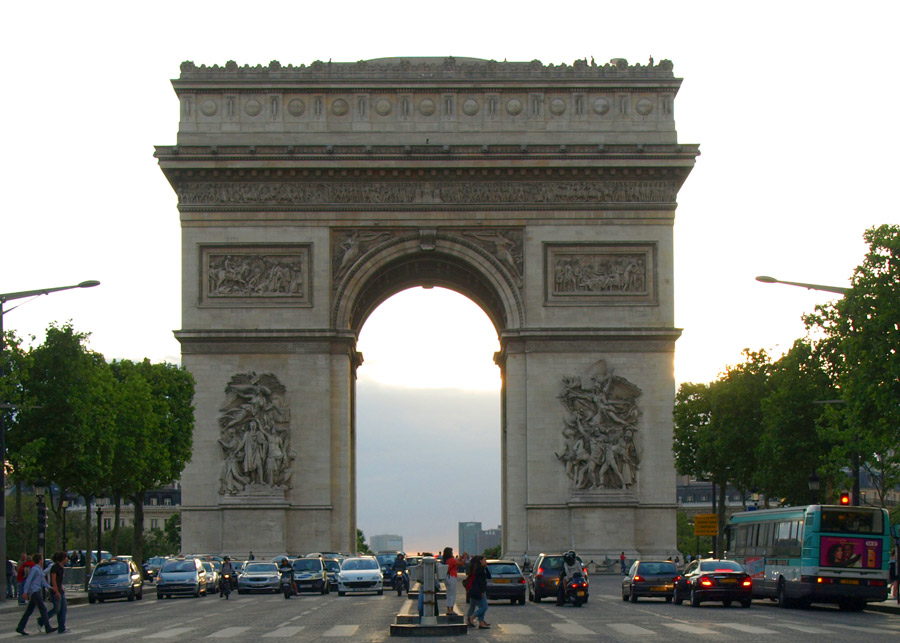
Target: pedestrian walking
[
  {"x": 622, "y": 563},
  {"x": 452, "y": 575},
  {"x": 12, "y": 586},
  {"x": 57, "y": 593},
  {"x": 476, "y": 583},
  {"x": 25, "y": 566},
  {"x": 32, "y": 593}
]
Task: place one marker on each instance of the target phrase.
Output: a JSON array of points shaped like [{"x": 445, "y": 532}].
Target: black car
[
  {"x": 332, "y": 568},
  {"x": 386, "y": 562},
  {"x": 544, "y": 577},
  {"x": 650, "y": 578},
  {"x": 714, "y": 580}
]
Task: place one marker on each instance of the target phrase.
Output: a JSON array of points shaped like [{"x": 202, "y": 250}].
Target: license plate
[
  {"x": 502, "y": 580},
  {"x": 849, "y": 581},
  {"x": 728, "y": 580},
  {"x": 659, "y": 588},
  {"x": 581, "y": 593}
]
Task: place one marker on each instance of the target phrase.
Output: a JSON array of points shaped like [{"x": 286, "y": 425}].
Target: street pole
[
  {"x": 5, "y": 297},
  {"x": 99, "y": 532}
]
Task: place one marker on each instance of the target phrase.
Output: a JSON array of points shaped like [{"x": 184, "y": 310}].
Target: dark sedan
[
  {"x": 506, "y": 582},
  {"x": 544, "y": 577},
  {"x": 650, "y": 578},
  {"x": 714, "y": 580}
]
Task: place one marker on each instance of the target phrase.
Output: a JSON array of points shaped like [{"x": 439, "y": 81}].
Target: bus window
[{"x": 852, "y": 520}]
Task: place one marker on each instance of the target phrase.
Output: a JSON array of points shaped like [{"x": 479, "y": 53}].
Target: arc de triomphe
[{"x": 546, "y": 193}]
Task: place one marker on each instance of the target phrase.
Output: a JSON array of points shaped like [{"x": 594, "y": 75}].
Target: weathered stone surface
[{"x": 544, "y": 193}]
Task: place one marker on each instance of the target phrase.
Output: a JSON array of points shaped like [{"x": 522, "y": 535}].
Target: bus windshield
[{"x": 852, "y": 520}]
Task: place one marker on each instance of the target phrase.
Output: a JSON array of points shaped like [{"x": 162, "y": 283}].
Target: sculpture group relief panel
[
  {"x": 509, "y": 193},
  {"x": 273, "y": 274},
  {"x": 600, "y": 274},
  {"x": 255, "y": 437},
  {"x": 600, "y": 452}
]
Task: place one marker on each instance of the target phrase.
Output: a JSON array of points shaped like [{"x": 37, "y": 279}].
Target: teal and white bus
[{"x": 814, "y": 554}]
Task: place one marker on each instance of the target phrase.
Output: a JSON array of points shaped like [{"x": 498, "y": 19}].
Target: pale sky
[{"x": 792, "y": 104}]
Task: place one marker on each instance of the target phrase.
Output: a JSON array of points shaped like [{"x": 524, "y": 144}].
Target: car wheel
[
  {"x": 512, "y": 601},
  {"x": 727, "y": 602},
  {"x": 99, "y": 600},
  {"x": 746, "y": 603},
  {"x": 140, "y": 594},
  {"x": 537, "y": 597},
  {"x": 624, "y": 596},
  {"x": 632, "y": 597},
  {"x": 668, "y": 599},
  {"x": 240, "y": 591},
  {"x": 676, "y": 598},
  {"x": 695, "y": 598},
  {"x": 92, "y": 599},
  {"x": 381, "y": 592},
  {"x": 530, "y": 595},
  {"x": 340, "y": 593},
  {"x": 783, "y": 601},
  {"x": 522, "y": 601},
  {"x": 159, "y": 596},
  {"x": 131, "y": 596}
]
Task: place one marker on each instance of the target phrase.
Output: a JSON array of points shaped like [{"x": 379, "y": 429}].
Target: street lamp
[
  {"x": 64, "y": 503},
  {"x": 814, "y": 487},
  {"x": 5, "y": 297},
  {"x": 99, "y": 532}
]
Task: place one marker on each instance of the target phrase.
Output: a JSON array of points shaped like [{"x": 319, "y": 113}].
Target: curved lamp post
[{"x": 5, "y": 297}]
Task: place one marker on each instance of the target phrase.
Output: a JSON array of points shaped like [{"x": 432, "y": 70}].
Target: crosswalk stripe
[
  {"x": 805, "y": 629},
  {"x": 860, "y": 628},
  {"x": 689, "y": 629},
  {"x": 516, "y": 628},
  {"x": 169, "y": 634},
  {"x": 115, "y": 634},
  {"x": 631, "y": 630},
  {"x": 749, "y": 629},
  {"x": 571, "y": 628},
  {"x": 284, "y": 632},
  {"x": 228, "y": 632},
  {"x": 341, "y": 630}
]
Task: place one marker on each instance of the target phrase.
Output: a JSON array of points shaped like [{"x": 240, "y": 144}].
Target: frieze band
[{"x": 213, "y": 193}]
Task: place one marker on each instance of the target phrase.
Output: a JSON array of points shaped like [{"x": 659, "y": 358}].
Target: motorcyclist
[
  {"x": 400, "y": 565},
  {"x": 287, "y": 573},
  {"x": 228, "y": 569},
  {"x": 570, "y": 568}
]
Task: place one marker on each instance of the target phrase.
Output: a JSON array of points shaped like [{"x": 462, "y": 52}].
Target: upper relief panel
[{"x": 411, "y": 101}]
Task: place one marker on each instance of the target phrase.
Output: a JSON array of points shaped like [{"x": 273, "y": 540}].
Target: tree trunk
[
  {"x": 137, "y": 547},
  {"x": 87, "y": 539},
  {"x": 723, "y": 494},
  {"x": 115, "y": 534},
  {"x": 20, "y": 519}
]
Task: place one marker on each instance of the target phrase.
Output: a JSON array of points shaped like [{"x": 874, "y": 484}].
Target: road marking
[
  {"x": 115, "y": 634},
  {"x": 860, "y": 628},
  {"x": 629, "y": 629},
  {"x": 168, "y": 634},
  {"x": 284, "y": 632},
  {"x": 341, "y": 630},
  {"x": 571, "y": 628},
  {"x": 228, "y": 632},
  {"x": 749, "y": 629},
  {"x": 516, "y": 628},
  {"x": 689, "y": 629},
  {"x": 805, "y": 628}
]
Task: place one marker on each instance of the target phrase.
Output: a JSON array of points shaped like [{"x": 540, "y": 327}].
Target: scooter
[
  {"x": 400, "y": 582},
  {"x": 576, "y": 590},
  {"x": 225, "y": 586},
  {"x": 287, "y": 584}
]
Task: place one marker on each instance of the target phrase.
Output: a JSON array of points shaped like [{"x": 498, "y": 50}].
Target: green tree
[
  {"x": 361, "y": 546},
  {"x": 687, "y": 542},
  {"x": 15, "y": 366},
  {"x": 492, "y": 552},
  {"x": 862, "y": 344}
]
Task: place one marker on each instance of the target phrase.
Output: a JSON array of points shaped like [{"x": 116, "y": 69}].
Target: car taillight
[
  {"x": 540, "y": 571},
  {"x": 676, "y": 579},
  {"x": 521, "y": 581},
  {"x": 747, "y": 583},
  {"x": 637, "y": 579},
  {"x": 584, "y": 570},
  {"x": 705, "y": 581}
]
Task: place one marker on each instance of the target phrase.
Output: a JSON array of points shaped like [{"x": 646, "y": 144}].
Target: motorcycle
[
  {"x": 287, "y": 584},
  {"x": 576, "y": 590},
  {"x": 400, "y": 581},
  {"x": 225, "y": 586}
]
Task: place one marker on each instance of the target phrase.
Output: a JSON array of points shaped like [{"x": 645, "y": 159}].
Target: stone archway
[{"x": 546, "y": 194}]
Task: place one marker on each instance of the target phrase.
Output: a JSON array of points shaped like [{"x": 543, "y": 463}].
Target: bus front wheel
[{"x": 783, "y": 601}]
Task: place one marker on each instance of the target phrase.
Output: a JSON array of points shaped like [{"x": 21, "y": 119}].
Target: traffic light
[
  {"x": 42, "y": 516},
  {"x": 845, "y": 498}
]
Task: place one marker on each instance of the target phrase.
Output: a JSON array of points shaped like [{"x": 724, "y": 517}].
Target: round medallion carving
[
  {"x": 470, "y": 107},
  {"x": 296, "y": 107},
  {"x": 557, "y": 106},
  {"x": 340, "y": 107},
  {"x": 209, "y": 107},
  {"x": 426, "y": 107},
  {"x": 644, "y": 106},
  {"x": 253, "y": 107},
  {"x": 601, "y": 106},
  {"x": 383, "y": 107},
  {"x": 514, "y": 107}
]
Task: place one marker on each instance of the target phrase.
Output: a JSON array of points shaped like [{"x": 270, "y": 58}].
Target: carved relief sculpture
[
  {"x": 504, "y": 245},
  {"x": 600, "y": 273},
  {"x": 255, "y": 437},
  {"x": 600, "y": 450},
  {"x": 254, "y": 275}
]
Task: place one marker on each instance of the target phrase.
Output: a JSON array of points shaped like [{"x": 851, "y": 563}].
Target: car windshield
[
  {"x": 359, "y": 563},
  {"x": 503, "y": 568},
  {"x": 719, "y": 566},
  {"x": 156, "y": 561},
  {"x": 386, "y": 559},
  {"x": 179, "y": 566},
  {"x": 307, "y": 565},
  {"x": 332, "y": 566},
  {"x": 216, "y": 565},
  {"x": 112, "y": 569},
  {"x": 261, "y": 568},
  {"x": 208, "y": 566},
  {"x": 656, "y": 568}
]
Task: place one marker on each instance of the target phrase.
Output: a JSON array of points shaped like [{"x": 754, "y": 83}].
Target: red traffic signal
[{"x": 845, "y": 498}]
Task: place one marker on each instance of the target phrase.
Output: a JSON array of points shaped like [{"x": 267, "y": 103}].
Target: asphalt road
[{"x": 606, "y": 617}]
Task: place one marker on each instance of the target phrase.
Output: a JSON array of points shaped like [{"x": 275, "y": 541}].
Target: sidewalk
[{"x": 74, "y": 596}]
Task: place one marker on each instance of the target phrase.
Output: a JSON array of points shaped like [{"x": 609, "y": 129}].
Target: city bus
[{"x": 814, "y": 554}]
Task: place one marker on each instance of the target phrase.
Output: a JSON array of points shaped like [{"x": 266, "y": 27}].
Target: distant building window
[
  {"x": 154, "y": 523},
  {"x": 107, "y": 523},
  {"x": 703, "y": 498},
  {"x": 167, "y": 501},
  {"x": 153, "y": 501},
  {"x": 689, "y": 498}
]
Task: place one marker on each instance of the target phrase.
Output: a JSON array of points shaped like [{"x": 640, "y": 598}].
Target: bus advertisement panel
[{"x": 864, "y": 553}]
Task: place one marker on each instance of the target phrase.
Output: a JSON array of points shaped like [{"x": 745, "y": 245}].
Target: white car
[{"x": 361, "y": 574}]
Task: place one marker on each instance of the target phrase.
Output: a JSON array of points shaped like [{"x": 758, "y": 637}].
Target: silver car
[
  {"x": 361, "y": 574},
  {"x": 181, "y": 576},
  {"x": 259, "y": 577}
]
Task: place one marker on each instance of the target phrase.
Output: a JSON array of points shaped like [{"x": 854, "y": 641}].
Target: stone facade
[{"x": 545, "y": 193}]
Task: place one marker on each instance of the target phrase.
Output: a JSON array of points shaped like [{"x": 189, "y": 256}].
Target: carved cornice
[{"x": 429, "y": 71}]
